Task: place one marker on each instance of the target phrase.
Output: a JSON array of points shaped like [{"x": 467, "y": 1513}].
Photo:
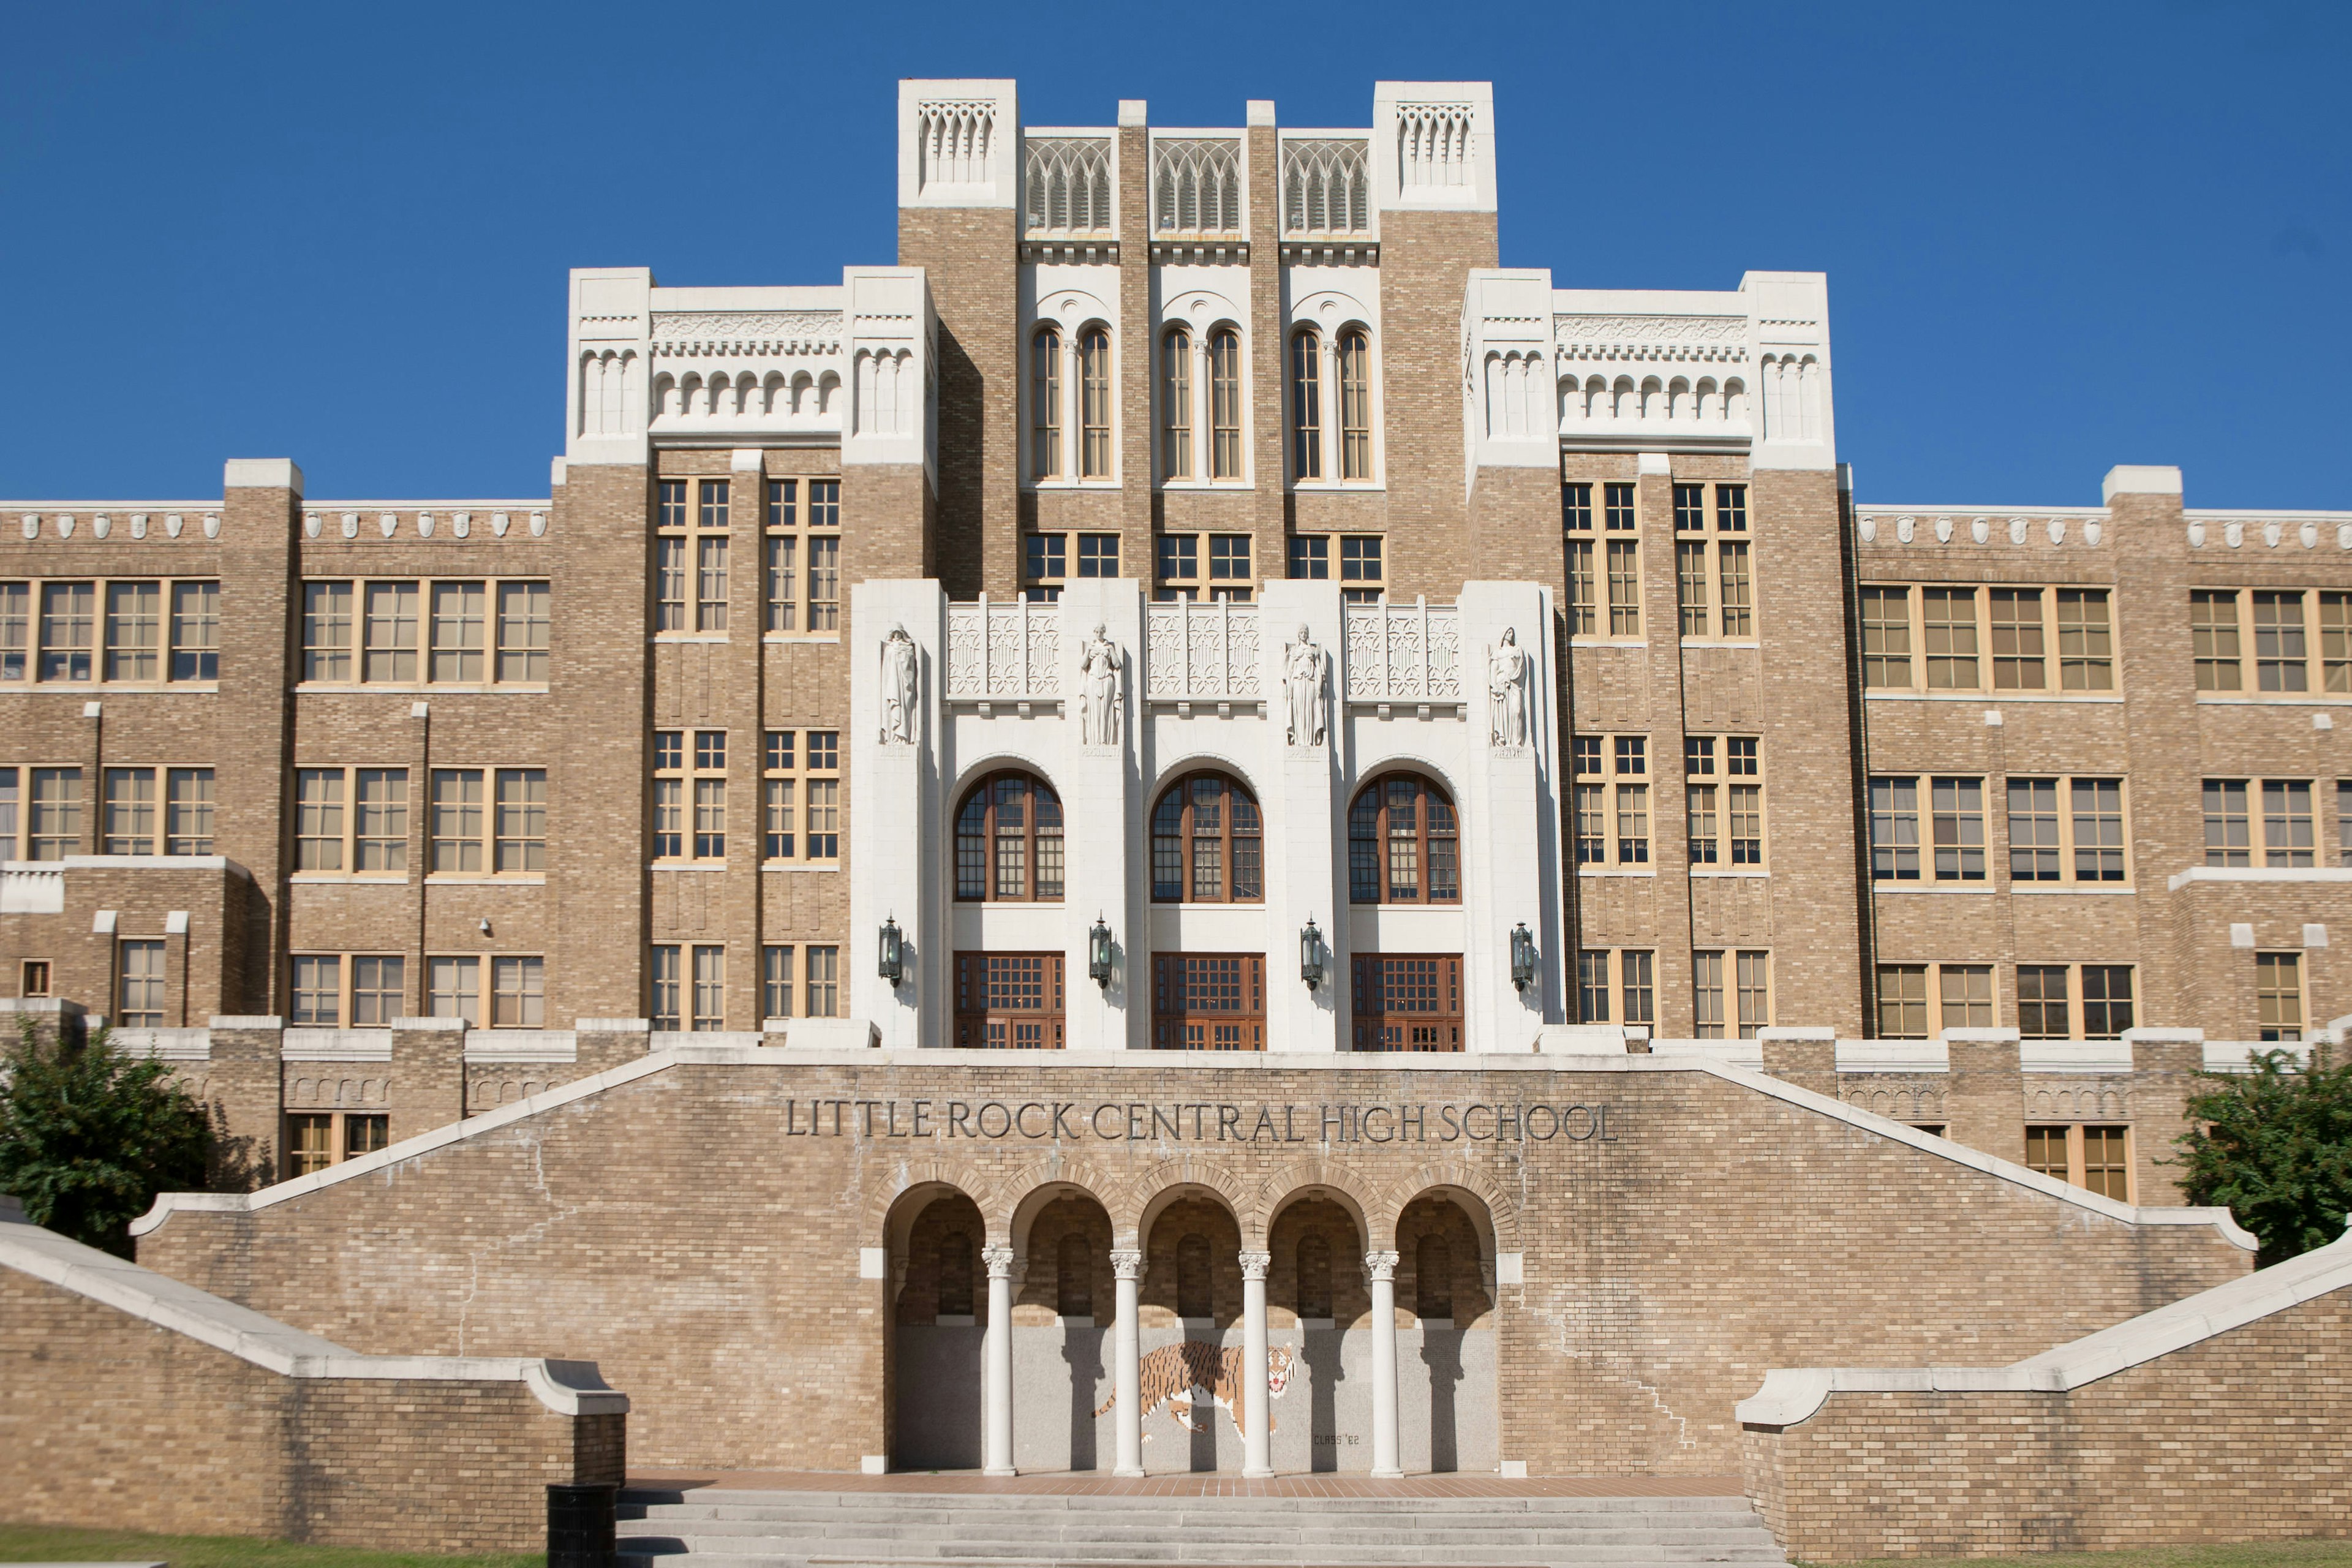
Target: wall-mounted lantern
[
  {"x": 1099, "y": 954},
  {"x": 1313, "y": 956},
  {"x": 894, "y": 951},
  {"x": 1523, "y": 956}
]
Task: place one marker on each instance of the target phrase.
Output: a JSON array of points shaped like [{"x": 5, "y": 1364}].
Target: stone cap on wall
[
  {"x": 566, "y": 1387},
  {"x": 1790, "y": 1396}
]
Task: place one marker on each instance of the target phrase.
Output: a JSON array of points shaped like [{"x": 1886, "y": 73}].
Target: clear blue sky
[{"x": 2058, "y": 235}]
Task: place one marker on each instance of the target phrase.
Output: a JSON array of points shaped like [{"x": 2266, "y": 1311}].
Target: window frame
[
  {"x": 802, "y": 759},
  {"x": 2068, "y": 846},
  {"x": 1611, "y": 787},
  {"x": 1172, "y": 1018},
  {"x": 347, "y": 988},
  {"x": 800, "y": 555},
  {"x": 342, "y": 1129},
  {"x": 984, "y": 791},
  {"x": 975, "y": 1017},
  {"x": 354, "y": 652},
  {"x": 1727, "y": 852},
  {"x": 1374, "y": 1027},
  {"x": 25, "y": 651},
  {"x": 350, "y": 839},
  {"x": 2266, "y": 845},
  {"x": 1188, "y": 840},
  {"x": 691, "y": 797},
  {"x": 1384, "y": 840}
]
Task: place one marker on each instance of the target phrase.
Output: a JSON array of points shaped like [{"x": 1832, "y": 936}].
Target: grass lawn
[
  {"x": 52, "y": 1543},
  {"x": 2261, "y": 1554}
]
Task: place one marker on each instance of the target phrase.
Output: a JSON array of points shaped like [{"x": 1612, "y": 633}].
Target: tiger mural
[{"x": 1171, "y": 1372}]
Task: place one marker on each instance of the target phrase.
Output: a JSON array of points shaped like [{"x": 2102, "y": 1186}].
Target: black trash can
[{"x": 580, "y": 1526}]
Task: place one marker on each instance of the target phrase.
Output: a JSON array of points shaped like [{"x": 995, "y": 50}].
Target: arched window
[
  {"x": 1305, "y": 407},
  {"x": 1176, "y": 405},
  {"x": 1433, "y": 1278},
  {"x": 1403, "y": 844},
  {"x": 1354, "y": 405},
  {"x": 1206, "y": 843},
  {"x": 1226, "y": 404},
  {"x": 1314, "y": 1276},
  {"x": 1009, "y": 841},
  {"x": 1074, "y": 1282},
  {"x": 1045, "y": 404},
  {"x": 955, "y": 1275},
  {"x": 1194, "y": 1297},
  {"x": 1094, "y": 404}
]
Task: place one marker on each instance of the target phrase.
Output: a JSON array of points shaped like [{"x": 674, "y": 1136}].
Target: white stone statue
[
  {"x": 1506, "y": 692},
  {"x": 899, "y": 668},
  {"x": 1305, "y": 667},
  {"x": 1099, "y": 706}
]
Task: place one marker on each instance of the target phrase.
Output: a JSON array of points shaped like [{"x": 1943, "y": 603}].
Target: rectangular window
[
  {"x": 2086, "y": 641},
  {"x": 709, "y": 1014},
  {"x": 2099, "y": 823},
  {"x": 1745, "y": 815},
  {"x": 377, "y": 992},
  {"x": 1362, "y": 568},
  {"x": 1583, "y": 611},
  {"x": 1618, "y": 508},
  {"x": 1902, "y": 1001},
  {"x": 2278, "y": 996},
  {"x": 15, "y": 630},
  {"x": 2213, "y": 640},
  {"x": 1009, "y": 1001},
  {"x": 391, "y": 632},
  {"x": 1633, "y": 825},
  {"x": 1886, "y": 637},
  {"x": 1959, "y": 830},
  {"x": 1592, "y": 829},
  {"x": 2229, "y": 835},
  {"x": 1179, "y": 564},
  {"x": 2106, "y": 1162},
  {"x": 1592, "y": 985},
  {"x": 453, "y": 988},
  {"x": 1576, "y": 507},
  {"x": 1407, "y": 1002},
  {"x": 521, "y": 826},
  {"x": 67, "y": 613},
  {"x": 1638, "y": 987},
  {"x": 782, "y": 564},
  {"x": 1894, "y": 830},
  {"x": 1305, "y": 407},
  {"x": 1738, "y": 597},
  {"x": 1625, "y": 588},
  {"x": 664, "y": 999},
  {"x": 1691, "y": 583},
  {"x": 775, "y": 982},
  {"x": 1966, "y": 992},
  {"x": 456, "y": 823},
  {"x": 134, "y": 629},
  {"x": 1699, "y": 811},
  {"x": 703, "y": 785},
  {"x": 319, "y": 827},
  {"x": 1948, "y": 620},
  {"x": 1310, "y": 557},
  {"x": 1731, "y": 507},
  {"x": 824, "y": 579},
  {"x": 800, "y": 799},
  {"x": 1707, "y": 995},
  {"x": 327, "y": 631},
  {"x": 54, "y": 824},
  {"x": 2033, "y": 847},
  {"x": 2107, "y": 1001},
  {"x": 821, "y": 982},
  {"x": 188, "y": 811},
  {"x": 1224, "y": 405},
  {"x": 1229, "y": 563},
  {"x": 460, "y": 613},
  {"x": 128, "y": 824},
  {"x": 2046, "y": 1152},
  {"x": 317, "y": 991},
  {"x": 139, "y": 989},
  {"x": 2042, "y": 1001},
  {"x": 1045, "y": 562},
  {"x": 2017, "y": 655},
  {"x": 2287, "y": 838},
  {"x": 2336, "y": 642},
  {"x": 1752, "y": 973},
  {"x": 2279, "y": 649},
  {"x": 525, "y": 619},
  {"x": 711, "y": 582},
  {"x": 1099, "y": 555},
  {"x": 1690, "y": 509}
]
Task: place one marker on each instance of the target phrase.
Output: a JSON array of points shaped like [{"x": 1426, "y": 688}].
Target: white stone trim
[
  {"x": 1790, "y": 1396},
  {"x": 566, "y": 1387}
]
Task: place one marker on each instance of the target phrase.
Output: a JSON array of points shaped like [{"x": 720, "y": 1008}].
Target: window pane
[
  {"x": 2279, "y": 650},
  {"x": 2213, "y": 640},
  {"x": 2017, "y": 640},
  {"x": 1959, "y": 830},
  {"x": 318, "y": 819},
  {"x": 457, "y": 820},
  {"x": 459, "y": 609},
  {"x": 381, "y": 840},
  {"x": 129, "y": 825},
  {"x": 188, "y": 812},
  {"x": 67, "y": 613},
  {"x": 518, "y": 993},
  {"x": 1895, "y": 830},
  {"x": 522, "y": 819},
  {"x": 134, "y": 630},
  {"x": 2085, "y": 643},
  {"x": 326, "y": 631},
  {"x": 1949, "y": 627},
  {"x": 1886, "y": 636},
  {"x": 390, "y": 631},
  {"x": 2287, "y": 837},
  {"x": 524, "y": 625},
  {"x": 453, "y": 988}
]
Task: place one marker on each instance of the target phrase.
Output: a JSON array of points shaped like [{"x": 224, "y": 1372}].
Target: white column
[
  {"x": 1382, "y": 1266},
  {"x": 1126, "y": 1364},
  {"x": 996, "y": 1366},
  {"x": 1256, "y": 1429}
]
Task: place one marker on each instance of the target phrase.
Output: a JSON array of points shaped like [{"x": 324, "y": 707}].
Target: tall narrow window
[
  {"x": 1959, "y": 830},
  {"x": 129, "y": 811},
  {"x": 16, "y": 629},
  {"x": 317, "y": 819},
  {"x": 139, "y": 996},
  {"x": 1592, "y": 985},
  {"x": 1752, "y": 975},
  {"x": 1094, "y": 404},
  {"x": 187, "y": 812},
  {"x": 1176, "y": 405},
  {"x": 2287, "y": 838},
  {"x": 1739, "y": 595},
  {"x": 1305, "y": 407},
  {"x": 391, "y": 630},
  {"x": 2213, "y": 640},
  {"x": 1226, "y": 404},
  {"x": 1403, "y": 844},
  {"x": 521, "y": 841},
  {"x": 2336, "y": 642},
  {"x": 1637, "y": 985},
  {"x": 2279, "y": 649},
  {"x": 775, "y": 982},
  {"x": 825, "y": 555},
  {"x": 1583, "y": 609},
  {"x": 2228, "y": 835},
  {"x": 525, "y": 619},
  {"x": 1691, "y": 582},
  {"x": 1045, "y": 405},
  {"x": 2016, "y": 643},
  {"x": 662, "y": 979},
  {"x": 459, "y": 609},
  {"x": 1354, "y": 405},
  {"x": 1009, "y": 841},
  {"x": 326, "y": 631},
  {"x": 2099, "y": 830},
  {"x": 1948, "y": 621},
  {"x": 1624, "y": 588},
  {"x": 710, "y": 999},
  {"x": 1894, "y": 830},
  {"x": 1207, "y": 843},
  {"x": 2086, "y": 641},
  {"x": 821, "y": 982},
  {"x": 2034, "y": 830},
  {"x": 68, "y": 610},
  {"x": 134, "y": 630},
  {"x": 1707, "y": 995},
  {"x": 2278, "y": 996},
  {"x": 710, "y": 558},
  {"x": 1886, "y": 636}
]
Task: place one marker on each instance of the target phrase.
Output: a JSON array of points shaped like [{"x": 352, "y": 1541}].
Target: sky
[{"x": 2058, "y": 237}]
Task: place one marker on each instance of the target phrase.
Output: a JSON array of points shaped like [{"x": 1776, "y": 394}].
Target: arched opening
[
  {"x": 1094, "y": 404},
  {"x": 1319, "y": 1301},
  {"x": 1207, "y": 842},
  {"x": 1009, "y": 841},
  {"x": 1064, "y": 1306},
  {"x": 1189, "y": 1327},
  {"x": 1447, "y": 1374},
  {"x": 1403, "y": 843},
  {"x": 1176, "y": 405},
  {"x": 1305, "y": 407},
  {"x": 1045, "y": 404},
  {"x": 939, "y": 1308}
]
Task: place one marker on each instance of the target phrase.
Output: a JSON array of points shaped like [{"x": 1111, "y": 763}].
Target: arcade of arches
[{"x": 1067, "y": 1339}]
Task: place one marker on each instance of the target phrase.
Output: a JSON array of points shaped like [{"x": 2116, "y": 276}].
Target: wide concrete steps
[{"x": 730, "y": 1528}]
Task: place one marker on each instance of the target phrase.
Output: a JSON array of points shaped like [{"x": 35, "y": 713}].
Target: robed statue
[
  {"x": 1506, "y": 692},
  {"x": 1098, "y": 690},
  {"x": 1305, "y": 669},
  {"x": 899, "y": 665}
]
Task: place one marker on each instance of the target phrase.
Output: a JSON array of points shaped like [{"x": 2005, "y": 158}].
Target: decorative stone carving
[
  {"x": 1126, "y": 1264},
  {"x": 31, "y": 524},
  {"x": 212, "y": 525},
  {"x": 462, "y": 524},
  {"x": 2233, "y": 534},
  {"x": 387, "y": 523},
  {"x": 2271, "y": 534},
  {"x": 902, "y": 669},
  {"x": 1380, "y": 1266},
  {"x": 2196, "y": 535},
  {"x": 758, "y": 326},
  {"x": 1255, "y": 1264},
  {"x": 499, "y": 524},
  {"x": 1506, "y": 692},
  {"x": 1869, "y": 529},
  {"x": 2309, "y": 535},
  {"x": 1943, "y": 530},
  {"x": 2057, "y": 531},
  {"x": 1099, "y": 677},
  {"x": 2092, "y": 530},
  {"x": 66, "y": 526},
  {"x": 1980, "y": 529},
  {"x": 424, "y": 525},
  {"x": 538, "y": 524},
  {"x": 1306, "y": 673},
  {"x": 101, "y": 525},
  {"x": 350, "y": 525},
  {"x": 1904, "y": 528},
  {"x": 137, "y": 525},
  {"x": 310, "y": 525},
  {"x": 172, "y": 524},
  {"x": 999, "y": 1260}
]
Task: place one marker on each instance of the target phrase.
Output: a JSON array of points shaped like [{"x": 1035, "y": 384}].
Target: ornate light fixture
[
  {"x": 1523, "y": 956},
  {"x": 1099, "y": 954},
  {"x": 1312, "y": 954},
  {"x": 894, "y": 951}
]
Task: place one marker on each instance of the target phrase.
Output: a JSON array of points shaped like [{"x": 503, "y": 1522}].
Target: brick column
[
  {"x": 1138, "y": 350},
  {"x": 1985, "y": 1106},
  {"x": 2164, "y": 1068},
  {"x": 428, "y": 1075},
  {"x": 246, "y": 1102},
  {"x": 260, "y": 631},
  {"x": 1269, "y": 352},
  {"x": 1804, "y": 1057}
]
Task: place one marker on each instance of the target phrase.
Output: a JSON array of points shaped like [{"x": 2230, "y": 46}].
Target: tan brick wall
[
  {"x": 671, "y": 1230},
  {"x": 2238, "y": 1438},
  {"x": 112, "y": 1423}
]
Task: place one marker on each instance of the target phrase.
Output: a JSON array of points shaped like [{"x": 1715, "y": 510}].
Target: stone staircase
[{"x": 714, "y": 1527}]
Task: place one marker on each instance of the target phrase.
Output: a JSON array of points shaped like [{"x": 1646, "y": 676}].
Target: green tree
[
  {"x": 2274, "y": 1146},
  {"x": 89, "y": 1136}
]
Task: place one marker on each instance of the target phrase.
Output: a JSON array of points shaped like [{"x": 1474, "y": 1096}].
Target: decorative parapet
[
  {"x": 2077, "y": 526},
  {"x": 1004, "y": 652},
  {"x": 1404, "y": 653},
  {"x": 28, "y": 888},
  {"x": 1327, "y": 185},
  {"x": 1068, "y": 182},
  {"x": 196, "y": 519},
  {"x": 1200, "y": 653},
  {"x": 394, "y": 519},
  {"x": 2274, "y": 530},
  {"x": 1196, "y": 184}
]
